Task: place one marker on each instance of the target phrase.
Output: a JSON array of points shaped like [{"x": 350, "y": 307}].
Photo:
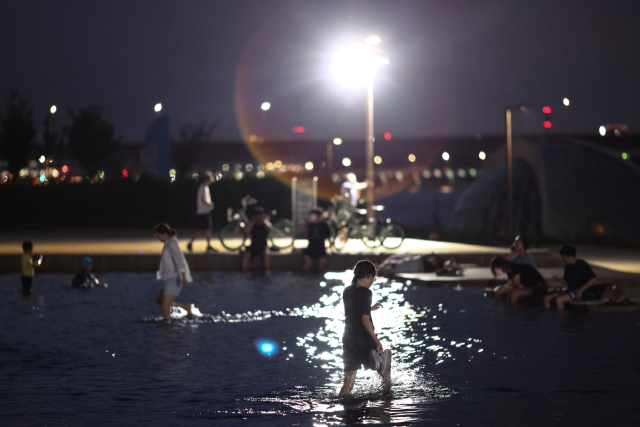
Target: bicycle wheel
[
  {"x": 340, "y": 239},
  {"x": 392, "y": 235},
  {"x": 371, "y": 237},
  {"x": 281, "y": 234},
  {"x": 232, "y": 236}
]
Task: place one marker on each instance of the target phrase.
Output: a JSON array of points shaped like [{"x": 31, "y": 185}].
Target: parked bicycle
[
  {"x": 347, "y": 223},
  {"x": 233, "y": 236}
]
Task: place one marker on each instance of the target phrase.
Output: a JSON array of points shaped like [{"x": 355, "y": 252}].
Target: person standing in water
[
  {"x": 174, "y": 271},
  {"x": 360, "y": 344}
]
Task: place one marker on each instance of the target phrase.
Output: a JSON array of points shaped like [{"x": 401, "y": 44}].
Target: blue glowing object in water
[{"x": 267, "y": 348}]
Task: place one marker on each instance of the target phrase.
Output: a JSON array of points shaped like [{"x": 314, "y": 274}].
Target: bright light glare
[
  {"x": 445, "y": 156},
  {"x": 42, "y": 159},
  {"x": 412, "y": 158},
  {"x": 377, "y": 159},
  {"x": 157, "y": 108},
  {"x": 267, "y": 348},
  {"x": 265, "y": 106},
  {"x": 308, "y": 166},
  {"x": 566, "y": 102},
  {"x": 372, "y": 40},
  {"x": 53, "y": 109},
  {"x": 337, "y": 141},
  {"x": 346, "y": 162},
  {"x": 603, "y": 130},
  {"x": 353, "y": 65},
  {"x": 482, "y": 155}
]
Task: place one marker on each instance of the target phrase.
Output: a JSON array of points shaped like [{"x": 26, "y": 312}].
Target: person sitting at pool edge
[
  {"x": 316, "y": 232},
  {"x": 524, "y": 280},
  {"x": 519, "y": 254},
  {"x": 578, "y": 277},
  {"x": 84, "y": 278},
  {"x": 259, "y": 231}
]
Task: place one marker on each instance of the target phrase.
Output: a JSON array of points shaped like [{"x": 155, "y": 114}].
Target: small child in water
[
  {"x": 28, "y": 265},
  {"x": 85, "y": 279}
]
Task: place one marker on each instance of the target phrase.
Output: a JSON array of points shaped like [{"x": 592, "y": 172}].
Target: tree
[
  {"x": 91, "y": 138},
  {"x": 17, "y": 132},
  {"x": 188, "y": 148}
]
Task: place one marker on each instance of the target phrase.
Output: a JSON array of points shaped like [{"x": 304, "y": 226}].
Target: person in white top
[
  {"x": 205, "y": 206},
  {"x": 351, "y": 189},
  {"x": 174, "y": 271}
]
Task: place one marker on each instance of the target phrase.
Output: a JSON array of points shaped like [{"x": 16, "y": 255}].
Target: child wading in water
[
  {"x": 174, "y": 271},
  {"x": 360, "y": 345}
]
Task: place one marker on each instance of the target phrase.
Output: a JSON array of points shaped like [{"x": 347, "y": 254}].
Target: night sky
[{"x": 454, "y": 64}]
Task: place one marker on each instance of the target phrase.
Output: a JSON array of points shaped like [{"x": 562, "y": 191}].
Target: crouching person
[
  {"x": 524, "y": 280},
  {"x": 578, "y": 277}
]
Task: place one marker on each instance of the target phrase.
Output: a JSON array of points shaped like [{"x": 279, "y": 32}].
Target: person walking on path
[
  {"x": 360, "y": 344},
  {"x": 174, "y": 271},
  {"x": 205, "y": 207}
]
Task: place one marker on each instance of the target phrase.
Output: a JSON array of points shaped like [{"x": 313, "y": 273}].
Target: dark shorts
[
  {"x": 204, "y": 222},
  {"x": 26, "y": 284},
  {"x": 256, "y": 251},
  {"x": 571, "y": 294},
  {"x": 540, "y": 289},
  {"x": 316, "y": 252},
  {"x": 355, "y": 351}
]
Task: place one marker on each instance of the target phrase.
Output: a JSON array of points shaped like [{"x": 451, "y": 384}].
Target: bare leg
[
  {"x": 517, "y": 293},
  {"x": 548, "y": 298},
  {"x": 322, "y": 261},
  {"x": 502, "y": 292},
  {"x": 159, "y": 297},
  {"x": 562, "y": 300},
  {"x": 167, "y": 302},
  {"x": 306, "y": 267},
  {"x": 386, "y": 383},
  {"x": 198, "y": 234},
  {"x": 245, "y": 261},
  {"x": 267, "y": 262},
  {"x": 349, "y": 381},
  {"x": 207, "y": 235}
]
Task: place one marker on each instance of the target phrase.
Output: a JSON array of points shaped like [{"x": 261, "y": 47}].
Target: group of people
[{"x": 524, "y": 280}]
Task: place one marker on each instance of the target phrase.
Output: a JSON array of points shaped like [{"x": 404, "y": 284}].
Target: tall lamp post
[
  {"x": 508, "y": 109},
  {"x": 355, "y": 65}
]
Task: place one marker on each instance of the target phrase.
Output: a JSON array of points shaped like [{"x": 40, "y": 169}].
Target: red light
[
  {"x": 547, "y": 124},
  {"x": 295, "y": 129},
  {"x": 298, "y": 129},
  {"x": 546, "y": 110},
  {"x": 387, "y": 136},
  {"x": 125, "y": 173},
  {"x": 65, "y": 169}
]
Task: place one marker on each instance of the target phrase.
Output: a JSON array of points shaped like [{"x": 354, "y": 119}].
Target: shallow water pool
[{"x": 105, "y": 357}]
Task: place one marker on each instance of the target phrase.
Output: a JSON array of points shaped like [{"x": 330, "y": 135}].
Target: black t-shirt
[
  {"x": 317, "y": 233},
  {"x": 529, "y": 276},
  {"x": 578, "y": 274},
  {"x": 259, "y": 233},
  {"x": 81, "y": 278},
  {"x": 357, "y": 303}
]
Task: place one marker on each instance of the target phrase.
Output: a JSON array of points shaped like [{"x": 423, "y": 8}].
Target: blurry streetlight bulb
[
  {"x": 412, "y": 158},
  {"x": 566, "y": 102},
  {"x": 53, "y": 109},
  {"x": 445, "y": 156},
  {"x": 346, "y": 162},
  {"x": 308, "y": 166},
  {"x": 372, "y": 40},
  {"x": 377, "y": 160},
  {"x": 265, "y": 106},
  {"x": 157, "y": 108},
  {"x": 603, "y": 130},
  {"x": 482, "y": 155},
  {"x": 337, "y": 141},
  {"x": 42, "y": 159}
]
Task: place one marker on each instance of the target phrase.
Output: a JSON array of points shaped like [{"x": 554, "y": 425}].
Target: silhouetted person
[
  {"x": 205, "y": 207},
  {"x": 259, "y": 231},
  {"x": 519, "y": 254},
  {"x": 317, "y": 232},
  {"x": 578, "y": 277},
  {"x": 28, "y": 265},
  {"x": 524, "y": 280}
]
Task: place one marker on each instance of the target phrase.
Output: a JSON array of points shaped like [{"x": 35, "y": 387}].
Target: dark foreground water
[{"x": 104, "y": 357}]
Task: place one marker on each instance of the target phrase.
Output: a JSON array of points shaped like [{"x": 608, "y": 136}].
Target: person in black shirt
[
  {"x": 524, "y": 280},
  {"x": 85, "y": 279},
  {"x": 316, "y": 232},
  {"x": 578, "y": 276},
  {"x": 259, "y": 231},
  {"x": 359, "y": 336}
]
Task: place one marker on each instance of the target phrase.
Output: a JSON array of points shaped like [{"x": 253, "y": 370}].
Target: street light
[
  {"x": 53, "y": 109},
  {"x": 507, "y": 111},
  {"x": 355, "y": 65}
]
